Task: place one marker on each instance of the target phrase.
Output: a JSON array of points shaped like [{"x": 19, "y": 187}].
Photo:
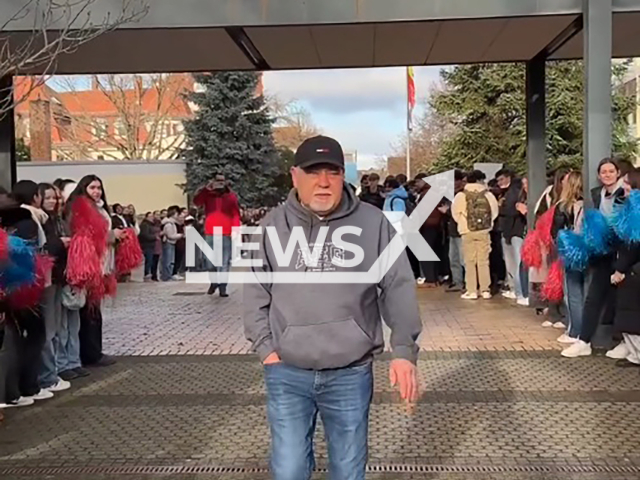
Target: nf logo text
[{"x": 327, "y": 260}]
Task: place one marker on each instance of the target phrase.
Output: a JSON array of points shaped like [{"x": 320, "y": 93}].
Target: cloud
[{"x": 350, "y": 91}]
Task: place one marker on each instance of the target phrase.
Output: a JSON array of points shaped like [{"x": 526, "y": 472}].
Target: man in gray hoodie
[{"x": 317, "y": 341}]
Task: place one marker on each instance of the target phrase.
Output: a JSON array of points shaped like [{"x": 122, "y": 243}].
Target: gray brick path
[{"x": 483, "y": 409}]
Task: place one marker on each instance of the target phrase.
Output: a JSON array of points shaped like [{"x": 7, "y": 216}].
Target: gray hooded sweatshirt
[{"x": 327, "y": 326}]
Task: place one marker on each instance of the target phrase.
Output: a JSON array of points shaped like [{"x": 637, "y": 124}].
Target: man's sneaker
[
  {"x": 453, "y": 288},
  {"x": 20, "y": 402},
  {"x": 486, "y": 295},
  {"x": 559, "y": 325},
  {"x": 43, "y": 394},
  {"x": 578, "y": 349},
  {"x": 177, "y": 277},
  {"x": 68, "y": 375},
  {"x": 564, "y": 338},
  {"x": 619, "y": 352},
  {"x": 547, "y": 324},
  {"x": 523, "y": 302},
  {"x": 510, "y": 295},
  {"x": 81, "y": 372},
  {"x": 421, "y": 280},
  {"x": 212, "y": 289},
  {"x": 59, "y": 386},
  {"x": 469, "y": 296},
  {"x": 223, "y": 293}
]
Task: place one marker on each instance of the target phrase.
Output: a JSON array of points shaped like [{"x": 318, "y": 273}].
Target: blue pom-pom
[
  {"x": 20, "y": 267},
  {"x": 597, "y": 233},
  {"x": 626, "y": 218},
  {"x": 572, "y": 249}
]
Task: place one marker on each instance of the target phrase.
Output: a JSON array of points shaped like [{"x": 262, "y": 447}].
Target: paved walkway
[
  {"x": 179, "y": 319},
  {"x": 514, "y": 409}
]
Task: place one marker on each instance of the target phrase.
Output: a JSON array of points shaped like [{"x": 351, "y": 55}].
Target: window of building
[{"x": 100, "y": 128}]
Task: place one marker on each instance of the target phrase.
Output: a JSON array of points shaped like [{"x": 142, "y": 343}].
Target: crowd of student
[
  {"x": 50, "y": 336},
  {"x": 486, "y": 247}
]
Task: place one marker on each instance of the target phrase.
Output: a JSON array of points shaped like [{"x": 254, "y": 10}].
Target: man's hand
[
  {"x": 119, "y": 233},
  {"x": 404, "y": 375},
  {"x": 272, "y": 359},
  {"x": 617, "y": 278},
  {"x": 522, "y": 208},
  {"x": 66, "y": 241}
]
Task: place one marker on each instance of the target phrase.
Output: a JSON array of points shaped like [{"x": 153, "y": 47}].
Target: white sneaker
[
  {"x": 564, "y": 338},
  {"x": 523, "y": 302},
  {"x": 421, "y": 280},
  {"x": 547, "y": 324},
  {"x": 469, "y": 296},
  {"x": 177, "y": 277},
  {"x": 510, "y": 295},
  {"x": 42, "y": 395},
  {"x": 59, "y": 386},
  {"x": 559, "y": 325},
  {"x": 21, "y": 402},
  {"x": 619, "y": 352},
  {"x": 486, "y": 295},
  {"x": 578, "y": 349}
]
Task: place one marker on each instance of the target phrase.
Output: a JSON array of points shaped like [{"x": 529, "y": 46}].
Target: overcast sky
[{"x": 364, "y": 109}]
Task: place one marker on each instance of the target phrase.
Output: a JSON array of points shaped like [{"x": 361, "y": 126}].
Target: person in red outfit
[{"x": 222, "y": 213}]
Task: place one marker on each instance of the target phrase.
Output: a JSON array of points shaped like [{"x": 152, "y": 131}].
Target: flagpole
[{"x": 410, "y": 103}]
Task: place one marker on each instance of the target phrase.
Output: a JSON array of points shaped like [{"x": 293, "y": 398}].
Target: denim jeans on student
[
  {"x": 512, "y": 261},
  {"x": 215, "y": 242},
  {"x": 456, "y": 261},
  {"x": 148, "y": 261},
  {"x": 52, "y": 313},
  {"x": 67, "y": 342},
  {"x": 342, "y": 398},
  {"x": 168, "y": 259},
  {"x": 574, "y": 283}
]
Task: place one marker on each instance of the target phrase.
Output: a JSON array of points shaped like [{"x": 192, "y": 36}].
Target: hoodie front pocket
[{"x": 326, "y": 345}]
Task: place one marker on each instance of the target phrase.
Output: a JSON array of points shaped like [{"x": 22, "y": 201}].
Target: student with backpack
[{"x": 475, "y": 210}]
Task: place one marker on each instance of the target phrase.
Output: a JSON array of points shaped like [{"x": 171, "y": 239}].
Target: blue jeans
[
  {"x": 574, "y": 283},
  {"x": 294, "y": 399},
  {"x": 67, "y": 342},
  {"x": 168, "y": 259},
  {"x": 225, "y": 241},
  {"x": 456, "y": 262},
  {"x": 512, "y": 262},
  {"x": 148, "y": 261},
  {"x": 52, "y": 312}
]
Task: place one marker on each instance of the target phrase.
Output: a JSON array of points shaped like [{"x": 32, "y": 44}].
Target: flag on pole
[{"x": 411, "y": 97}]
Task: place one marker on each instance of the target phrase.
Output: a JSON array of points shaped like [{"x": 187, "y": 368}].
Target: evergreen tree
[
  {"x": 485, "y": 106},
  {"x": 231, "y": 134}
]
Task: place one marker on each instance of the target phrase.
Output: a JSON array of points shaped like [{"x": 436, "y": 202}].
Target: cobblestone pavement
[
  {"x": 480, "y": 415},
  {"x": 179, "y": 319}
]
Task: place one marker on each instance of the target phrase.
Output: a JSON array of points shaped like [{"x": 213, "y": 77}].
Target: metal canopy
[{"x": 205, "y": 35}]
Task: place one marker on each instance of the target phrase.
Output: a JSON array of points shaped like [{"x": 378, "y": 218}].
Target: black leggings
[
  {"x": 90, "y": 334},
  {"x": 600, "y": 299},
  {"x": 430, "y": 270}
]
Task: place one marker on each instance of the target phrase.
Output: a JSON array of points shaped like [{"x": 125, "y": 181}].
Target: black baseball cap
[{"x": 318, "y": 150}]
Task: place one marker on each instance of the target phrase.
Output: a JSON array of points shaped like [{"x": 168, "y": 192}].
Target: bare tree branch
[
  {"x": 59, "y": 27},
  {"x": 293, "y": 123},
  {"x": 137, "y": 129}
]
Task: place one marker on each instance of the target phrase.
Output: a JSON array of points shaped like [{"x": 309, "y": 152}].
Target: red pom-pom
[
  {"x": 532, "y": 250},
  {"x": 87, "y": 221},
  {"x": 28, "y": 296},
  {"x": 4, "y": 244},
  {"x": 83, "y": 265},
  {"x": 553, "y": 289},
  {"x": 543, "y": 227},
  {"x": 110, "y": 285},
  {"x": 128, "y": 253}
]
